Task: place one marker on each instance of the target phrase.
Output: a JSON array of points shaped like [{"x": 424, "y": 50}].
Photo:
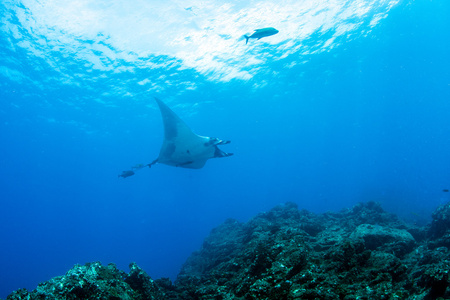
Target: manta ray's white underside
[{"x": 183, "y": 148}]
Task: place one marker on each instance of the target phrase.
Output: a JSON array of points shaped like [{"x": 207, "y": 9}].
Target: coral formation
[
  {"x": 95, "y": 281},
  {"x": 358, "y": 253}
]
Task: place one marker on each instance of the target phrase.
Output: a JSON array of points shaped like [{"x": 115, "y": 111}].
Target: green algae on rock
[{"x": 95, "y": 281}]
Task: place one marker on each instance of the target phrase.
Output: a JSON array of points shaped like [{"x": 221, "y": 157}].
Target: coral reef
[
  {"x": 94, "y": 281},
  {"x": 286, "y": 253}
]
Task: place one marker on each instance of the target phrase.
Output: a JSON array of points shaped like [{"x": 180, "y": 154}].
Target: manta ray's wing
[{"x": 183, "y": 148}]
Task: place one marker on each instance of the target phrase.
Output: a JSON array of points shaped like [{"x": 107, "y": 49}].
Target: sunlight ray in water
[{"x": 123, "y": 36}]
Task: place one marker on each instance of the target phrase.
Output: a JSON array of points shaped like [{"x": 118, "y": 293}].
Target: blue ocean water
[{"x": 349, "y": 102}]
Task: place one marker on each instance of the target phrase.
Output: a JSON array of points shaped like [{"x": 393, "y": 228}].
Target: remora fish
[
  {"x": 126, "y": 174},
  {"x": 260, "y": 33}
]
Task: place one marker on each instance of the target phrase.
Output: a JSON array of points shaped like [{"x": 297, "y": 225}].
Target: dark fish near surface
[
  {"x": 260, "y": 33},
  {"x": 126, "y": 174},
  {"x": 445, "y": 190}
]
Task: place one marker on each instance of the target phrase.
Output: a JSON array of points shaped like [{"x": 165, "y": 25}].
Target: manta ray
[{"x": 181, "y": 147}]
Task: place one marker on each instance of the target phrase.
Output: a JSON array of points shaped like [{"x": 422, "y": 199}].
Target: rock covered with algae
[
  {"x": 95, "y": 281},
  {"x": 287, "y": 253}
]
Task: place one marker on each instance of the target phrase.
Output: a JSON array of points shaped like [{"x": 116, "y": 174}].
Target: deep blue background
[{"x": 368, "y": 120}]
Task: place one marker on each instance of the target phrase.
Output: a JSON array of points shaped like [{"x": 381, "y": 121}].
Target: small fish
[
  {"x": 415, "y": 214},
  {"x": 126, "y": 174},
  {"x": 260, "y": 33},
  {"x": 138, "y": 166},
  {"x": 445, "y": 190}
]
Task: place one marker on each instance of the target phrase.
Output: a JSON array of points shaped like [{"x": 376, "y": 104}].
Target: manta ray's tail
[
  {"x": 152, "y": 163},
  {"x": 246, "y": 39},
  {"x": 137, "y": 167}
]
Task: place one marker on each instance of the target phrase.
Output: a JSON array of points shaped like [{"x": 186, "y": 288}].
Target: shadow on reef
[{"x": 359, "y": 253}]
